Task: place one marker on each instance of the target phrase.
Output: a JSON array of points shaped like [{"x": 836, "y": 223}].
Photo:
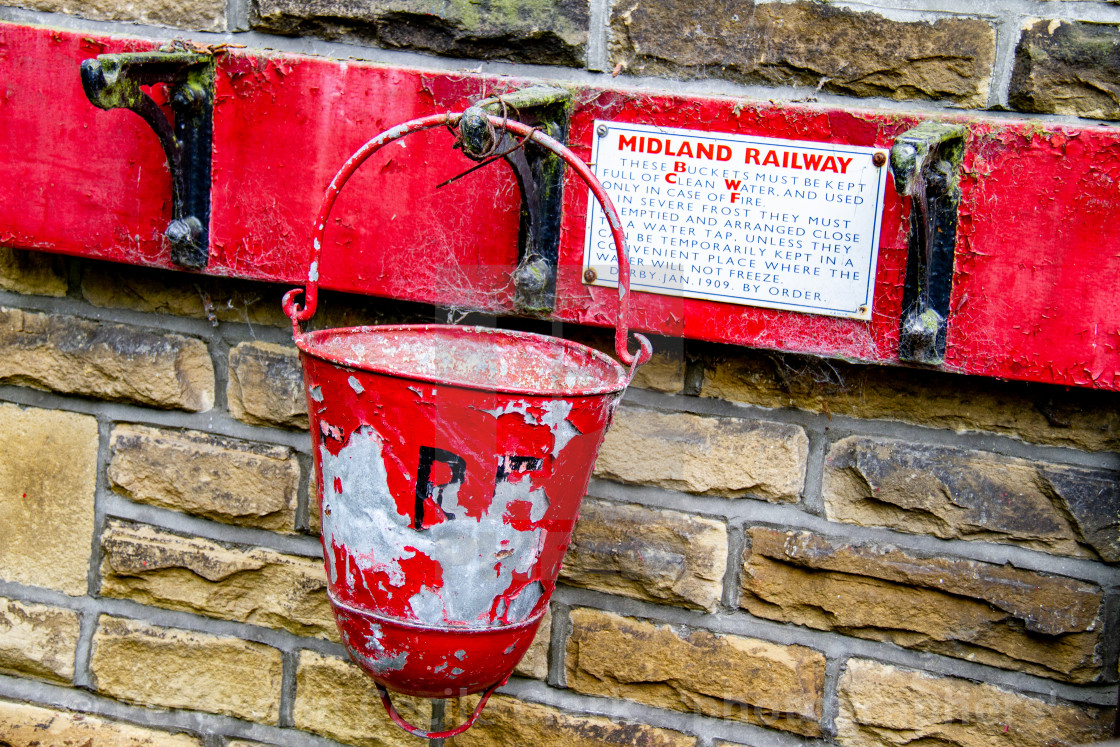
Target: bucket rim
[
  {"x": 306, "y": 342},
  {"x": 415, "y": 625}
]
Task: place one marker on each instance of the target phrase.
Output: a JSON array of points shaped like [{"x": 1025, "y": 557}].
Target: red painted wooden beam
[{"x": 1037, "y": 266}]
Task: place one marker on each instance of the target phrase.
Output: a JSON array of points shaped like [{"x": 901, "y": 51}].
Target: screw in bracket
[
  {"x": 879, "y": 159},
  {"x": 601, "y": 130}
]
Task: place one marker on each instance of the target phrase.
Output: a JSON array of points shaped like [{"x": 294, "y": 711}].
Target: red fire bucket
[{"x": 451, "y": 462}]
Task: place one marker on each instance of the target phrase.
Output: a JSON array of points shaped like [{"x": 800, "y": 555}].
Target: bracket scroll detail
[{"x": 113, "y": 81}]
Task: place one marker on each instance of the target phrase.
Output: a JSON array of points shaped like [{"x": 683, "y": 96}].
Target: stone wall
[{"x": 776, "y": 550}]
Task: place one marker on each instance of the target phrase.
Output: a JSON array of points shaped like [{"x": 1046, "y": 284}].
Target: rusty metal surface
[{"x": 1034, "y": 274}]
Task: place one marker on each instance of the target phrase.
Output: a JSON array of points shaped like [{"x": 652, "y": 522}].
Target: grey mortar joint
[
  {"x": 557, "y": 648},
  {"x": 733, "y": 577},
  {"x": 195, "y": 722},
  {"x": 83, "y": 676},
  {"x": 830, "y": 703},
  {"x": 290, "y": 661},
  {"x": 812, "y": 500},
  {"x": 119, "y": 507},
  {"x": 305, "y": 502},
  {"x": 598, "y": 35}
]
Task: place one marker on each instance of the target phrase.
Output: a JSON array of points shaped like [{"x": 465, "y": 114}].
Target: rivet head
[
  {"x": 589, "y": 275},
  {"x": 601, "y": 130},
  {"x": 879, "y": 159}
]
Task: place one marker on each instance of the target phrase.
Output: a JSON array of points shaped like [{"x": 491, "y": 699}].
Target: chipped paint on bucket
[{"x": 451, "y": 463}]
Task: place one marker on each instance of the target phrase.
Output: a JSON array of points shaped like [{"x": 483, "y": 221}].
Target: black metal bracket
[
  {"x": 926, "y": 162},
  {"x": 113, "y": 81},
  {"x": 540, "y": 177}
]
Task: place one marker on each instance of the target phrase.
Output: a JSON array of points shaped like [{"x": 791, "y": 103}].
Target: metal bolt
[
  {"x": 188, "y": 95},
  {"x": 879, "y": 159},
  {"x": 590, "y": 276},
  {"x": 184, "y": 233},
  {"x": 532, "y": 277},
  {"x": 601, "y": 130},
  {"x": 185, "y": 237}
]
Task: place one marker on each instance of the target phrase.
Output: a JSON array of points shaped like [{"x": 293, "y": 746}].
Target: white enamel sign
[{"x": 755, "y": 221}]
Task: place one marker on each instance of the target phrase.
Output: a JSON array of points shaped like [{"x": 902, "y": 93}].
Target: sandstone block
[
  {"x": 658, "y": 556},
  {"x": 962, "y": 494},
  {"x": 171, "y": 668},
  {"x": 1064, "y": 67},
  {"x": 48, "y": 477},
  {"x": 225, "y": 479},
  {"x": 37, "y": 640},
  {"x": 997, "y": 615},
  {"x": 1079, "y": 418},
  {"x": 23, "y": 725},
  {"x": 535, "y": 662},
  {"x": 196, "y": 15},
  {"x": 110, "y": 361},
  {"x": 252, "y": 585},
  {"x": 663, "y": 373},
  {"x": 335, "y": 699},
  {"x": 197, "y": 296},
  {"x": 729, "y": 457},
  {"x": 808, "y": 44},
  {"x": 547, "y": 32},
  {"x": 884, "y": 706},
  {"x": 266, "y": 385},
  {"x": 508, "y": 722},
  {"x": 725, "y": 676},
  {"x": 1092, "y": 500},
  {"x": 33, "y": 273}
]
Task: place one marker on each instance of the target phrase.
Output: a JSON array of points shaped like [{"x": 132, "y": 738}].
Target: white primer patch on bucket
[
  {"x": 363, "y": 519},
  {"x": 382, "y": 661}
]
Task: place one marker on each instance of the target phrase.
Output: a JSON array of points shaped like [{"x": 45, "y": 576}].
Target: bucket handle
[
  {"x": 301, "y": 313},
  {"x": 399, "y": 719}
]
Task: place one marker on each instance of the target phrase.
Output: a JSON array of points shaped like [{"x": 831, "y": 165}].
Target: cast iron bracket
[
  {"x": 540, "y": 177},
  {"x": 926, "y": 162},
  {"x": 113, "y": 81}
]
